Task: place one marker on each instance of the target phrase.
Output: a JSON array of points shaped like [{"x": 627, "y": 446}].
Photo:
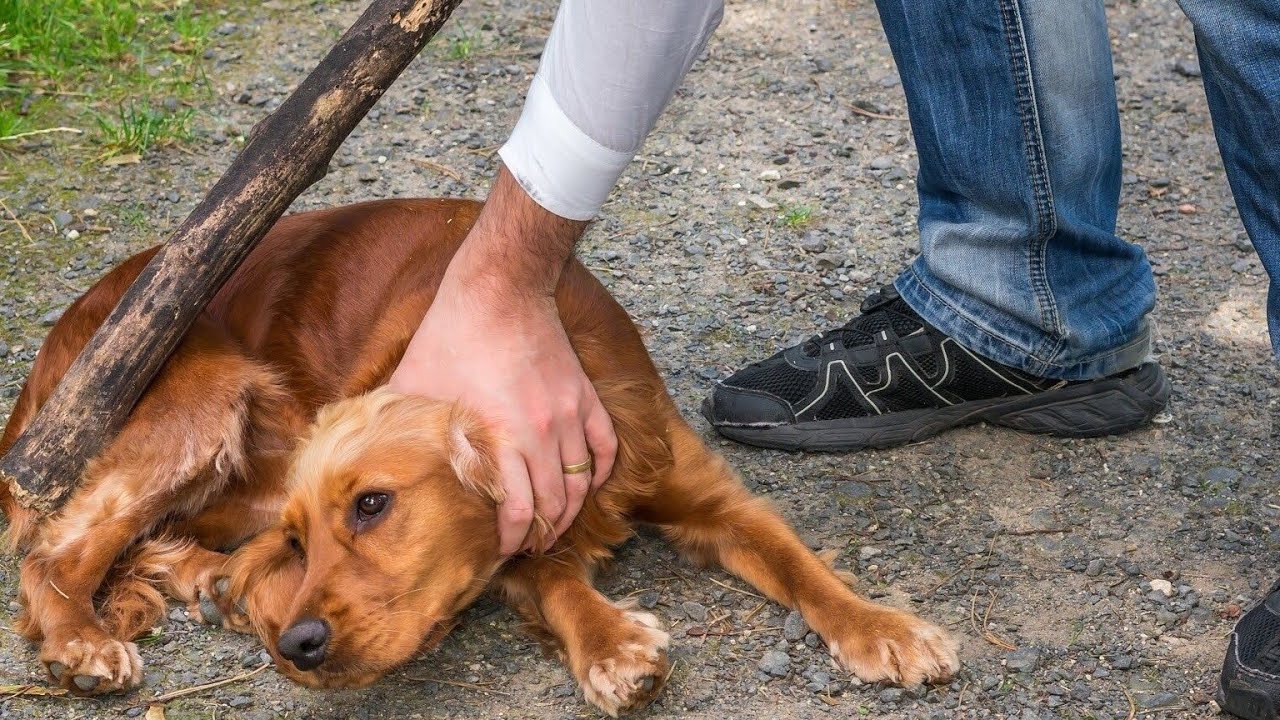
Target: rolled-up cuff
[{"x": 557, "y": 164}]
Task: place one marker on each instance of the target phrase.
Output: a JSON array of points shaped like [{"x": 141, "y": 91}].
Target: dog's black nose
[{"x": 304, "y": 643}]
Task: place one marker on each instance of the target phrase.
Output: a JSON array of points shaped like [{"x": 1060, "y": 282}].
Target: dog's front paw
[
  {"x": 213, "y": 606},
  {"x": 92, "y": 663},
  {"x": 632, "y": 675},
  {"x": 888, "y": 645}
]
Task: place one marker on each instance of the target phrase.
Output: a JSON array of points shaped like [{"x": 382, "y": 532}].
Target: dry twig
[
  {"x": 438, "y": 167},
  {"x": 17, "y": 222},
  {"x": 207, "y": 686},
  {"x": 45, "y": 131}
]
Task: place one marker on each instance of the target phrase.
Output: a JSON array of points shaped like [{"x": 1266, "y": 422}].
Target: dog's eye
[
  {"x": 370, "y": 505},
  {"x": 296, "y": 545}
]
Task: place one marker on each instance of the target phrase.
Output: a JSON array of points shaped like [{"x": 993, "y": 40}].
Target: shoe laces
[{"x": 878, "y": 312}]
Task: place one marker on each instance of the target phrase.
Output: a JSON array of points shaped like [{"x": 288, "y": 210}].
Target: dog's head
[{"x": 389, "y": 532}]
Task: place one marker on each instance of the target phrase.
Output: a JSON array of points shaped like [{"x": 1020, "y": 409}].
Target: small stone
[
  {"x": 133, "y": 712},
  {"x": 1162, "y": 586},
  {"x": 788, "y": 184},
  {"x": 770, "y": 175},
  {"x": 250, "y": 660},
  {"x": 1023, "y": 660},
  {"x": 648, "y": 600},
  {"x": 226, "y": 28},
  {"x": 854, "y": 489},
  {"x": 1161, "y": 182},
  {"x": 884, "y": 162},
  {"x": 794, "y": 628},
  {"x": 1144, "y": 464},
  {"x": 866, "y": 552},
  {"x": 4, "y": 349},
  {"x": 822, "y": 64},
  {"x": 1187, "y": 68},
  {"x": 696, "y": 612},
  {"x": 1095, "y": 567},
  {"x": 172, "y": 196},
  {"x": 775, "y": 663},
  {"x": 1241, "y": 266},
  {"x": 72, "y": 234},
  {"x": 813, "y": 244},
  {"x": 1156, "y": 700},
  {"x": 178, "y": 615},
  {"x": 781, "y": 159},
  {"x": 240, "y": 701},
  {"x": 1122, "y": 662},
  {"x": 1222, "y": 475},
  {"x": 762, "y": 202},
  {"x": 1243, "y": 244},
  {"x": 1188, "y": 209},
  {"x": 62, "y": 219},
  {"x": 891, "y": 696},
  {"x": 51, "y": 317}
]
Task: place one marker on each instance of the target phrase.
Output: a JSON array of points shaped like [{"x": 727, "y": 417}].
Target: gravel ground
[{"x": 1084, "y": 579}]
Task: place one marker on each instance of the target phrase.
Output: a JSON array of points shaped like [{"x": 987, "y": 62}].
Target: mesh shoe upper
[{"x": 887, "y": 359}]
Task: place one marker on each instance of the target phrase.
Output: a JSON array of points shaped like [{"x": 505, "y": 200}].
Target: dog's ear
[{"x": 471, "y": 455}]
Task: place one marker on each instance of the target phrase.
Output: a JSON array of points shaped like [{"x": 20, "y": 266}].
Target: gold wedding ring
[{"x": 578, "y": 468}]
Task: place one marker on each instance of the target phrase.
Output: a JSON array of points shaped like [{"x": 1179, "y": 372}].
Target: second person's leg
[{"x": 1024, "y": 308}]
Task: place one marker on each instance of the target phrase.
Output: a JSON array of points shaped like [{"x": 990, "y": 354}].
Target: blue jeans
[{"x": 1013, "y": 108}]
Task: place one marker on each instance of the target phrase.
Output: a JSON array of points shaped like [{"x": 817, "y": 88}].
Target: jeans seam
[{"x": 1042, "y": 190}]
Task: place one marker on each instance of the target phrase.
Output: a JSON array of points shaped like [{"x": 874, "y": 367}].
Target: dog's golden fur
[{"x": 268, "y": 424}]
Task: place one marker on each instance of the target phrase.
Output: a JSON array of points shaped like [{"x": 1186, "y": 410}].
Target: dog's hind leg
[
  {"x": 617, "y": 654},
  {"x": 704, "y": 509},
  {"x": 180, "y": 446}
]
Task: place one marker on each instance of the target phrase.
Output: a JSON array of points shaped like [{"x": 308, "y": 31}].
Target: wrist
[{"x": 516, "y": 248}]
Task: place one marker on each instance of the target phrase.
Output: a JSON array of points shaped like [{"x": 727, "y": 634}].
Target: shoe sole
[
  {"x": 1109, "y": 406},
  {"x": 1246, "y": 703}
]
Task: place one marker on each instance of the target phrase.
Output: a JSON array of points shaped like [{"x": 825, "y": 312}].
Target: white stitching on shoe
[
  {"x": 826, "y": 388},
  {"x": 889, "y": 367},
  {"x": 992, "y": 370}
]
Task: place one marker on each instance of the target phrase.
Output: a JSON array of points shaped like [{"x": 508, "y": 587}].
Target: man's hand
[{"x": 493, "y": 340}]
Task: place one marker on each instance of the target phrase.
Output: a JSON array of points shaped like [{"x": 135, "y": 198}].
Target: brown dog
[{"x": 358, "y": 548}]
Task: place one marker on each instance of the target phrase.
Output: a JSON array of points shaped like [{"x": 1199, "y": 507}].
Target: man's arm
[{"x": 493, "y": 339}]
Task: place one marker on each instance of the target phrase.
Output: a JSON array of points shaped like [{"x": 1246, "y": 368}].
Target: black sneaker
[
  {"x": 888, "y": 378},
  {"x": 1250, "y": 684}
]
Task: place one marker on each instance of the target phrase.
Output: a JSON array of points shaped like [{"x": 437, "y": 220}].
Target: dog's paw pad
[
  {"x": 93, "y": 667},
  {"x": 903, "y": 650},
  {"x": 634, "y": 673},
  {"x": 214, "y": 607}
]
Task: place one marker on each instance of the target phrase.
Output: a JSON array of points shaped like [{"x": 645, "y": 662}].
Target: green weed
[
  {"x": 796, "y": 216},
  {"x": 462, "y": 46},
  {"x": 138, "y": 128}
]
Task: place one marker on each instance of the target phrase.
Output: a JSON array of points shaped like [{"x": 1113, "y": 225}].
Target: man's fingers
[
  {"x": 573, "y": 451},
  {"x": 602, "y": 441},
  {"x": 547, "y": 480},
  {"x": 515, "y": 514}
]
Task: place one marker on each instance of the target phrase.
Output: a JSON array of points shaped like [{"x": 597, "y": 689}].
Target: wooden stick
[{"x": 285, "y": 153}]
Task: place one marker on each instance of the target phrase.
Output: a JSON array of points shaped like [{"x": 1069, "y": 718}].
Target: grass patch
[
  {"x": 138, "y": 128},
  {"x": 796, "y": 216},
  {"x": 100, "y": 64}
]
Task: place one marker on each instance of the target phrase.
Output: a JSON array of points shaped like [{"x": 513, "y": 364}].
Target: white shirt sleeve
[{"x": 608, "y": 70}]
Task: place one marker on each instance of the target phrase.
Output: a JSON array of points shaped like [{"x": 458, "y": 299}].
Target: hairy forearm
[{"x": 516, "y": 249}]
